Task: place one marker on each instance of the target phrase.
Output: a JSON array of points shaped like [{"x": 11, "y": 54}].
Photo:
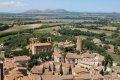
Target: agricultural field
[{"x": 108, "y": 33}]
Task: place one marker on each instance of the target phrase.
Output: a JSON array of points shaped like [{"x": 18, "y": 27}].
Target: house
[
  {"x": 72, "y": 58},
  {"x": 66, "y": 68},
  {"x": 57, "y": 55},
  {"x": 95, "y": 74},
  {"x": 67, "y": 77},
  {"x": 27, "y": 78},
  {"x": 69, "y": 58},
  {"x": 2, "y": 46},
  {"x": 57, "y": 77},
  {"x": 88, "y": 60},
  {"x": 9, "y": 65},
  {"x": 37, "y": 70},
  {"x": 97, "y": 42},
  {"x": 18, "y": 59},
  {"x": 79, "y": 71},
  {"x": 35, "y": 48},
  {"x": 36, "y": 77},
  {"x": 57, "y": 67},
  {"x": 14, "y": 75},
  {"x": 47, "y": 69},
  {"x": 2, "y": 54},
  {"x": 66, "y": 44},
  {"x": 33, "y": 40},
  {"x": 112, "y": 76},
  {"x": 116, "y": 69}
]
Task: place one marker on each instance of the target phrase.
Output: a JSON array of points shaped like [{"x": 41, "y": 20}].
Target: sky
[{"x": 14, "y": 6}]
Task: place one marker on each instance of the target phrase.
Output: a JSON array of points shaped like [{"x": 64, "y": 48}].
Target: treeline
[
  {"x": 75, "y": 32},
  {"x": 25, "y": 23},
  {"x": 3, "y": 27},
  {"x": 21, "y": 52},
  {"x": 16, "y": 32}
]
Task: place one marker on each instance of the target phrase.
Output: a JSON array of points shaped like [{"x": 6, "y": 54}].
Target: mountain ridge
[{"x": 37, "y": 11}]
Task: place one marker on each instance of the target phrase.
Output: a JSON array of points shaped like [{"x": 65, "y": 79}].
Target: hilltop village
[
  {"x": 56, "y": 61},
  {"x": 60, "y": 46}
]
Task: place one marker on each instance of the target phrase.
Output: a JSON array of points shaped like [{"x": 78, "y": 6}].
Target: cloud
[{"x": 11, "y": 3}]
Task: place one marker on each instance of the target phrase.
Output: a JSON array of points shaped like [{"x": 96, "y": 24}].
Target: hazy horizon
[{"x": 18, "y": 6}]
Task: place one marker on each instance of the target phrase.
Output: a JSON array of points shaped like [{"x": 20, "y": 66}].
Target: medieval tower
[{"x": 79, "y": 44}]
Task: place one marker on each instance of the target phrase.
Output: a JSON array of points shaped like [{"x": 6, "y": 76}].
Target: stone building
[
  {"x": 40, "y": 47},
  {"x": 79, "y": 44},
  {"x": 79, "y": 71},
  {"x": 97, "y": 42},
  {"x": 69, "y": 58},
  {"x": 57, "y": 67},
  {"x": 65, "y": 68},
  {"x": 72, "y": 58},
  {"x": 88, "y": 60},
  {"x": 37, "y": 70},
  {"x": 33, "y": 40},
  {"x": 66, "y": 44},
  {"x": 2, "y": 54}
]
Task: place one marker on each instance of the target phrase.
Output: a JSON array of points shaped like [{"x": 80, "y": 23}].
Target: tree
[{"x": 116, "y": 50}]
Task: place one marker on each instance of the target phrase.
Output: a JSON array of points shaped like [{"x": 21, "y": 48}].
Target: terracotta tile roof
[
  {"x": 112, "y": 76},
  {"x": 66, "y": 44},
  {"x": 29, "y": 77},
  {"x": 87, "y": 55},
  {"x": 37, "y": 77},
  {"x": 25, "y": 78},
  {"x": 57, "y": 77},
  {"x": 107, "y": 76},
  {"x": 42, "y": 44},
  {"x": 100, "y": 68},
  {"x": 46, "y": 65},
  {"x": 57, "y": 63},
  {"x": 21, "y": 58},
  {"x": 67, "y": 77},
  {"x": 85, "y": 77},
  {"x": 97, "y": 76},
  {"x": 51, "y": 77},
  {"x": 101, "y": 58},
  {"x": 79, "y": 69},
  {"x": 14, "y": 74},
  {"x": 65, "y": 65},
  {"x": 116, "y": 69},
  {"x": 57, "y": 54},
  {"x": 37, "y": 69},
  {"x": 9, "y": 64},
  {"x": 72, "y": 55}
]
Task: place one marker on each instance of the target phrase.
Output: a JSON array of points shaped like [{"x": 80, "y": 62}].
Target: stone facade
[
  {"x": 40, "y": 47},
  {"x": 79, "y": 44}
]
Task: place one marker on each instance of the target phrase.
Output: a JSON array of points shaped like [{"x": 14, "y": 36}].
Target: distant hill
[{"x": 37, "y": 11}]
